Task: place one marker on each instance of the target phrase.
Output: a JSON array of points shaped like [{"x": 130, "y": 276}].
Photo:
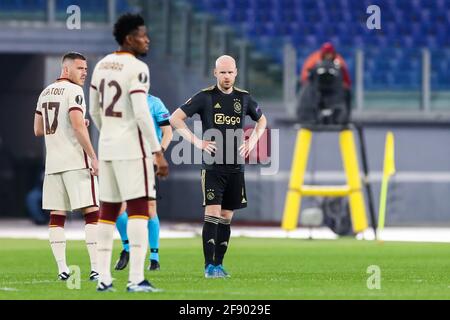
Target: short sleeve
[
  {"x": 39, "y": 107},
  {"x": 194, "y": 105},
  {"x": 160, "y": 111},
  {"x": 140, "y": 79},
  {"x": 76, "y": 99},
  {"x": 253, "y": 109},
  {"x": 94, "y": 82}
]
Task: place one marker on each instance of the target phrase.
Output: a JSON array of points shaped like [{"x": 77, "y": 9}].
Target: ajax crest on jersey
[{"x": 237, "y": 107}]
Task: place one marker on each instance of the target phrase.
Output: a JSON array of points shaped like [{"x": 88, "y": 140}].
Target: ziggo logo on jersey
[{"x": 220, "y": 118}]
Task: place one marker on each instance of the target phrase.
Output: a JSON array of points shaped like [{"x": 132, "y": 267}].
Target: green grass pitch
[{"x": 261, "y": 269}]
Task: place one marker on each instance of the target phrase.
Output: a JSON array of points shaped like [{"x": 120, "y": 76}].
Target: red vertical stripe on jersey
[
  {"x": 86, "y": 163},
  {"x": 94, "y": 203},
  {"x": 141, "y": 142}
]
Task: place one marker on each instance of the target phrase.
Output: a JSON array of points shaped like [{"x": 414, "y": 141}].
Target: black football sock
[
  {"x": 209, "y": 235},
  {"x": 223, "y": 238}
]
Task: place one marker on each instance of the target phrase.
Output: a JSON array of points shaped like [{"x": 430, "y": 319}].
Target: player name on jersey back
[
  {"x": 64, "y": 153},
  {"x": 116, "y": 77}
]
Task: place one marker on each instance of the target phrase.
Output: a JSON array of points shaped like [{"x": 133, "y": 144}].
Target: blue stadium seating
[
  {"x": 22, "y": 5},
  {"x": 392, "y": 54},
  {"x": 87, "y": 6}
]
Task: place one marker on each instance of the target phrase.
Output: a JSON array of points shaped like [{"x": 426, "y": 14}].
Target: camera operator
[{"x": 325, "y": 96}]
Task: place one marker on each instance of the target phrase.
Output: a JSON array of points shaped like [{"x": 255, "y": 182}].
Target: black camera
[{"x": 324, "y": 100}]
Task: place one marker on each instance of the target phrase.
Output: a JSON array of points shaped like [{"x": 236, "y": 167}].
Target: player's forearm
[
  {"x": 182, "y": 129},
  {"x": 167, "y": 136},
  {"x": 38, "y": 126},
  {"x": 260, "y": 126},
  {"x": 148, "y": 131},
  {"x": 82, "y": 135},
  {"x": 38, "y": 132},
  {"x": 145, "y": 120}
]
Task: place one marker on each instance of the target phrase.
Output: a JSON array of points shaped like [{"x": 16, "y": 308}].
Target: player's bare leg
[
  {"x": 223, "y": 239},
  {"x": 152, "y": 208},
  {"x": 105, "y": 231},
  {"x": 57, "y": 239},
  {"x": 90, "y": 228},
  {"x": 209, "y": 234}
]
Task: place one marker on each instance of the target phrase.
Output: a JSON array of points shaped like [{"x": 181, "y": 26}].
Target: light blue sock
[
  {"x": 153, "y": 237},
  {"x": 121, "y": 225}
]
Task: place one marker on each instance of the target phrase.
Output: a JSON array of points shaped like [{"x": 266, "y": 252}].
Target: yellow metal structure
[
  {"x": 353, "y": 188},
  {"x": 388, "y": 171}
]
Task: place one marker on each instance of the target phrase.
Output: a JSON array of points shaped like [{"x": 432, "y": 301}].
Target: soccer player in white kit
[
  {"x": 118, "y": 107},
  {"x": 71, "y": 164}
]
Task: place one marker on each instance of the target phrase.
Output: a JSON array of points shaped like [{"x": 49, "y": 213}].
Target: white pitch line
[
  {"x": 36, "y": 282},
  {"x": 8, "y": 289},
  {"x": 29, "y": 282}
]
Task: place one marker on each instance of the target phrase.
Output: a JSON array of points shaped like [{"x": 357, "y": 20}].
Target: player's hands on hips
[
  {"x": 162, "y": 167},
  {"x": 205, "y": 145},
  {"x": 94, "y": 167}
]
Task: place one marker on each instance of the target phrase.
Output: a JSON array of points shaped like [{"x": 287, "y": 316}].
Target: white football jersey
[
  {"x": 64, "y": 152},
  {"x": 115, "y": 78}
]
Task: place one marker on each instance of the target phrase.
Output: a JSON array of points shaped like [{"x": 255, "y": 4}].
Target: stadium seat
[
  {"x": 20, "y": 5},
  {"x": 407, "y": 27}
]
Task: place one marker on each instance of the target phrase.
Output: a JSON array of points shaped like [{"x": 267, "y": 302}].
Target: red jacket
[{"x": 314, "y": 58}]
